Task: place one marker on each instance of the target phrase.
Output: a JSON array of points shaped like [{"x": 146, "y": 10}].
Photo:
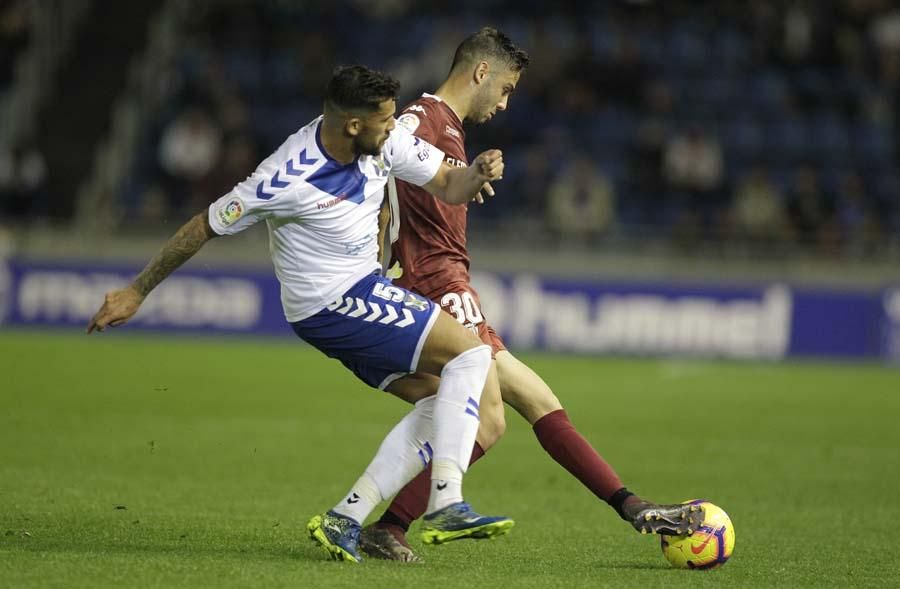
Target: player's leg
[
  {"x": 412, "y": 501},
  {"x": 386, "y": 538},
  {"x": 492, "y": 425},
  {"x": 377, "y": 331},
  {"x": 463, "y": 364},
  {"x": 382, "y": 332},
  {"x": 525, "y": 391}
]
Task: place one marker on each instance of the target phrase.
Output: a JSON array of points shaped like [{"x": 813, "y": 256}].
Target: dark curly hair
[
  {"x": 356, "y": 87},
  {"x": 489, "y": 43}
]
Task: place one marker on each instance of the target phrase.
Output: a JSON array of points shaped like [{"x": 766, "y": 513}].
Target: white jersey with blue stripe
[{"x": 322, "y": 216}]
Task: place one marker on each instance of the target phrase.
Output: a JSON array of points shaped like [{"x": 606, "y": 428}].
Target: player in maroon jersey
[{"x": 429, "y": 256}]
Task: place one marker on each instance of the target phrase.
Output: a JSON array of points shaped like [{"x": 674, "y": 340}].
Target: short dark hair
[
  {"x": 490, "y": 43},
  {"x": 356, "y": 87}
]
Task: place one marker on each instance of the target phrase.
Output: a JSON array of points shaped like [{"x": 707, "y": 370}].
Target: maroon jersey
[{"x": 428, "y": 235}]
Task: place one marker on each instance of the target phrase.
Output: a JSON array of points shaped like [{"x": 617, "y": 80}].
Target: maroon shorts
[{"x": 461, "y": 301}]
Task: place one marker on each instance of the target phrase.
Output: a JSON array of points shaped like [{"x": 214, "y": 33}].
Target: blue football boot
[
  {"x": 338, "y": 535},
  {"x": 458, "y": 521}
]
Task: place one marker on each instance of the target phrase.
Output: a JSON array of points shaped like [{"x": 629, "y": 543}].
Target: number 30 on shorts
[{"x": 463, "y": 307}]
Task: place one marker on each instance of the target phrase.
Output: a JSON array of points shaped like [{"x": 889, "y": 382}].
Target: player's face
[
  {"x": 493, "y": 95},
  {"x": 375, "y": 129}
]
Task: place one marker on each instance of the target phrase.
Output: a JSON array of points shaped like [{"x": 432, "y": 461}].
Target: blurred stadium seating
[{"x": 803, "y": 97}]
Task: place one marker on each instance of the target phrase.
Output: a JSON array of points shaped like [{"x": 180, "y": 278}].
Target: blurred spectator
[
  {"x": 383, "y": 9},
  {"x": 534, "y": 180},
  {"x": 8, "y": 181},
  {"x": 624, "y": 76},
  {"x": 153, "y": 206},
  {"x": 188, "y": 150},
  {"x": 859, "y": 221},
  {"x": 576, "y": 87},
  {"x": 15, "y": 31},
  {"x": 886, "y": 30},
  {"x": 23, "y": 178},
  {"x": 547, "y": 53},
  {"x": 773, "y": 81},
  {"x": 798, "y": 43},
  {"x": 757, "y": 212},
  {"x": 645, "y": 161},
  {"x": 692, "y": 162},
  {"x": 581, "y": 201},
  {"x": 647, "y": 157},
  {"x": 233, "y": 115},
  {"x": 239, "y": 159},
  {"x": 811, "y": 214},
  {"x": 425, "y": 68},
  {"x": 317, "y": 58}
]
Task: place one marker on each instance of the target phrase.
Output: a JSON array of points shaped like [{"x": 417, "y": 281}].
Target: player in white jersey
[{"x": 320, "y": 194}]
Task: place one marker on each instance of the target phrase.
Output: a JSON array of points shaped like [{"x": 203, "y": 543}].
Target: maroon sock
[
  {"x": 412, "y": 500},
  {"x": 563, "y": 442}
]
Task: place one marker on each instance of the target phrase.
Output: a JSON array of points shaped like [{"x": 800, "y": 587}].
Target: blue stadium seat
[
  {"x": 720, "y": 92},
  {"x": 244, "y": 68},
  {"x": 618, "y": 125},
  {"x": 744, "y": 137},
  {"x": 814, "y": 82},
  {"x": 729, "y": 48},
  {"x": 603, "y": 40},
  {"x": 872, "y": 143},
  {"x": 686, "y": 48},
  {"x": 716, "y": 79},
  {"x": 830, "y": 137},
  {"x": 788, "y": 138},
  {"x": 283, "y": 71},
  {"x": 652, "y": 48},
  {"x": 765, "y": 93}
]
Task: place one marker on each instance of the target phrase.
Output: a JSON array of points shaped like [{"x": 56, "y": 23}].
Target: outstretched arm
[
  {"x": 460, "y": 185},
  {"x": 120, "y": 305}
]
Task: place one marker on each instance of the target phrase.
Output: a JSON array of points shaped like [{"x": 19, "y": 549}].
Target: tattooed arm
[{"x": 120, "y": 305}]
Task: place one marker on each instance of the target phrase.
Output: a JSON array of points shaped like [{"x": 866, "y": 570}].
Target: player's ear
[
  {"x": 353, "y": 126},
  {"x": 481, "y": 72}
]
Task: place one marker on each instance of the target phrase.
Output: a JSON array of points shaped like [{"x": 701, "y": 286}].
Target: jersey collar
[{"x": 439, "y": 99}]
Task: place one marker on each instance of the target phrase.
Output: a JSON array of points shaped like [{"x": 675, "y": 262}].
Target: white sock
[
  {"x": 456, "y": 424},
  {"x": 403, "y": 453},
  {"x": 446, "y": 485},
  {"x": 361, "y": 500}
]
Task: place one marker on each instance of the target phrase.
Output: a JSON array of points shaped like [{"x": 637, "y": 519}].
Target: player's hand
[
  {"x": 489, "y": 165},
  {"x": 486, "y": 189},
  {"x": 118, "y": 307}
]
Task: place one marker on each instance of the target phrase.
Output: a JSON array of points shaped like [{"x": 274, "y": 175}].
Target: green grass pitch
[{"x": 139, "y": 461}]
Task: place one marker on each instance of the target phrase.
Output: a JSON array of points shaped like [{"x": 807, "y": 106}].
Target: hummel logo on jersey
[
  {"x": 451, "y": 131},
  {"x": 441, "y": 485},
  {"x": 330, "y": 203},
  {"x": 354, "y": 498},
  {"x": 417, "y": 108}
]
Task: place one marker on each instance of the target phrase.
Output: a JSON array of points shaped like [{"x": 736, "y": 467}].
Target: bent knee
[
  {"x": 492, "y": 425},
  {"x": 532, "y": 403}
]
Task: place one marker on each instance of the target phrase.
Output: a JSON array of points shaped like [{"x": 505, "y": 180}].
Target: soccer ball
[{"x": 707, "y": 548}]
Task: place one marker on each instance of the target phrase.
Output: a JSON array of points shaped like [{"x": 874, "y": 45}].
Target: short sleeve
[
  {"x": 412, "y": 159},
  {"x": 253, "y": 200}
]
